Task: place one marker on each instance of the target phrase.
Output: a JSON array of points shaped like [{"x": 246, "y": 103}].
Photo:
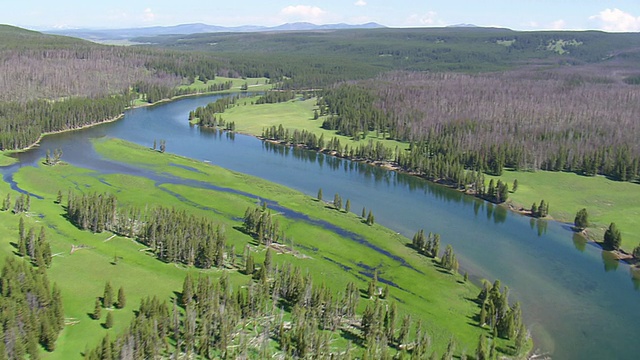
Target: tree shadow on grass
[{"x": 350, "y": 335}]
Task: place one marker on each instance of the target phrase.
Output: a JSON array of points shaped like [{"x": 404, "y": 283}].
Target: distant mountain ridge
[{"x": 198, "y": 28}]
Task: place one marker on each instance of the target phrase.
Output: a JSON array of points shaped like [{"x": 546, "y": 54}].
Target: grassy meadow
[
  {"x": 5, "y": 159},
  {"x": 606, "y": 200},
  {"x": 295, "y": 114},
  {"x": 253, "y": 84},
  {"x": 440, "y": 299}
]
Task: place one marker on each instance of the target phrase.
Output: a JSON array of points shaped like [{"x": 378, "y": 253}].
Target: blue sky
[{"x": 608, "y": 15}]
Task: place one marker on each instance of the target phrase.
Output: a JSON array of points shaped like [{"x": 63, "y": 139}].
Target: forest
[{"x": 523, "y": 120}]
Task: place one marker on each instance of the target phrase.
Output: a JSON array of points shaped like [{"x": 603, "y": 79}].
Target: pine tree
[
  {"x": 97, "y": 310},
  {"x": 58, "y": 310},
  {"x": 266, "y": 265},
  {"x": 109, "y": 321},
  {"x": 337, "y": 201},
  {"x": 22, "y": 241},
  {"x": 581, "y": 220},
  {"x": 59, "y": 197},
  {"x": 514, "y": 187},
  {"x": 481, "y": 350},
  {"x": 6, "y": 204},
  {"x": 364, "y": 213},
  {"x": 122, "y": 300},
  {"x": 21, "y": 229},
  {"x": 612, "y": 237},
  {"x": 249, "y": 265},
  {"x": 105, "y": 348},
  {"x": 521, "y": 338},
  {"x": 107, "y": 298},
  {"x": 370, "y": 218},
  {"x": 347, "y": 206},
  {"x": 319, "y": 194},
  {"x": 187, "y": 290}
]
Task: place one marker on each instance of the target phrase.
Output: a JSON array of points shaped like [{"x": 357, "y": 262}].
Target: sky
[{"x": 607, "y": 15}]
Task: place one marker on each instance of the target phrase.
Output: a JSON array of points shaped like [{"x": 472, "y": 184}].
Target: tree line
[
  {"x": 206, "y": 115},
  {"x": 21, "y": 124},
  {"x": 173, "y": 235}
]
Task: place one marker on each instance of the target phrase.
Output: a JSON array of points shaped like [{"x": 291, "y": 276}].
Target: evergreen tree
[
  {"x": 581, "y": 220},
  {"x": 122, "y": 300},
  {"x": 370, "y": 218},
  {"x": 21, "y": 232},
  {"x": 612, "y": 237},
  {"x": 534, "y": 210},
  {"x": 97, "y": 310},
  {"x": 435, "y": 247},
  {"x": 109, "y": 321},
  {"x": 481, "y": 350},
  {"x": 107, "y": 297},
  {"x": 319, "y": 194},
  {"x": 266, "y": 265},
  {"x": 337, "y": 201},
  {"x": 521, "y": 338},
  {"x": 187, "y": 290},
  {"x": 22, "y": 241},
  {"x": 364, "y": 213},
  {"x": 514, "y": 187},
  {"x": 6, "y": 204},
  {"x": 59, "y": 197},
  {"x": 347, "y": 206},
  {"x": 249, "y": 265}
]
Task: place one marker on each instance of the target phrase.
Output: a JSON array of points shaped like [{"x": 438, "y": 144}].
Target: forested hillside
[
  {"x": 525, "y": 120},
  {"x": 314, "y": 59},
  {"x": 52, "y": 83}
]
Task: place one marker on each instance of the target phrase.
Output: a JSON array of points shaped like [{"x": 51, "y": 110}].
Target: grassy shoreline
[{"x": 81, "y": 275}]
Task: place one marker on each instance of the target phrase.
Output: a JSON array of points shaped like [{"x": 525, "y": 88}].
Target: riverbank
[{"x": 8, "y": 160}]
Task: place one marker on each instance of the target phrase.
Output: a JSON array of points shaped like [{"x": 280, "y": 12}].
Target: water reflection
[
  {"x": 579, "y": 241},
  {"x": 610, "y": 261},
  {"x": 635, "y": 277}
]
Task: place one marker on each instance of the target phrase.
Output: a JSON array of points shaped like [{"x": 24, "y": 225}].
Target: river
[{"x": 577, "y": 303}]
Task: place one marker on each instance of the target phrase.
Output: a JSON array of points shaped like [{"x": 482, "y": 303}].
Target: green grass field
[
  {"x": 440, "y": 299},
  {"x": 295, "y": 114},
  {"x": 5, "y": 159},
  {"x": 606, "y": 200},
  {"x": 253, "y": 84}
]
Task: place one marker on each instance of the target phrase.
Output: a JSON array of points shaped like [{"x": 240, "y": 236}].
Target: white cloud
[
  {"x": 304, "y": 13},
  {"x": 148, "y": 15},
  {"x": 617, "y": 20},
  {"x": 428, "y": 19},
  {"x": 558, "y": 25},
  {"x": 360, "y": 3}
]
